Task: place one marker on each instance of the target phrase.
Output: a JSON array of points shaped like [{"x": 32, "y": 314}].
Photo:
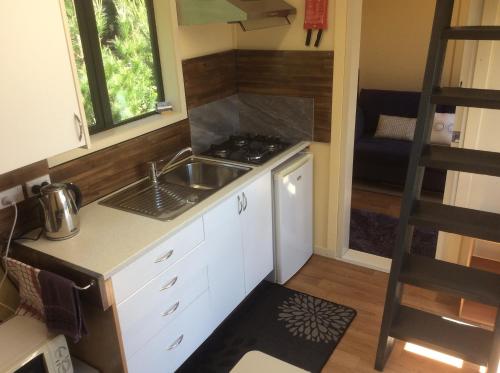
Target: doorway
[{"x": 348, "y": 78}]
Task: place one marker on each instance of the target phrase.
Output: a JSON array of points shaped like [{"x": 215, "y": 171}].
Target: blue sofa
[{"x": 385, "y": 161}]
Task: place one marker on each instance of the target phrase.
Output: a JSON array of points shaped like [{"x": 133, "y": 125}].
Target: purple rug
[{"x": 375, "y": 233}]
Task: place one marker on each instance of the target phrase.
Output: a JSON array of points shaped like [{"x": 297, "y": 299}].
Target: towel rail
[{"x": 92, "y": 283}]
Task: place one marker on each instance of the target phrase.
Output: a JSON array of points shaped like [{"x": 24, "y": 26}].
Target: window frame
[{"x": 85, "y": 15}]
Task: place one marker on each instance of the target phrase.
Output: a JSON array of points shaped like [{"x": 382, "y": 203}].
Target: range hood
[{"x": 250, "y": 14}]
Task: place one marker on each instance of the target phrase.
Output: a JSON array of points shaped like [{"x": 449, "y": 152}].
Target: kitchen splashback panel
[
  {"x": 290, "y": 118},
  {"x": 214, "y": 122}
]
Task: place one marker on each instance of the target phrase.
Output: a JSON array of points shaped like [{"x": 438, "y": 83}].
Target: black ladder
[{"x": 408, "y": 324}]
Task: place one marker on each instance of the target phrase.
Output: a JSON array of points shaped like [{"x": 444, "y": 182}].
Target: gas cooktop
[{"x": 248, "y": 148}]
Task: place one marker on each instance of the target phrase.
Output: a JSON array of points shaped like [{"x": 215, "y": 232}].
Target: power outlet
[
  {"x": 38, "y": 181},
  {"x": 13, "y": 194}
]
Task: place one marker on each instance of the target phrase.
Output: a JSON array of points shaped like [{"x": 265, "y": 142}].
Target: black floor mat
[
  {"x": 375, "y": 233},
  {"x": 291, "y": 326}
]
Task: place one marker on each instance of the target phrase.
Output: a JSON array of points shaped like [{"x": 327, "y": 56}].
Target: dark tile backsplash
[
  {"x": 212, "y": 123},
  {"x": 290, "y": 118}
]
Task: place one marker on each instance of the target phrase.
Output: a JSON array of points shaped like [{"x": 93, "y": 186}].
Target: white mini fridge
[{"x": 293, "y": 216}]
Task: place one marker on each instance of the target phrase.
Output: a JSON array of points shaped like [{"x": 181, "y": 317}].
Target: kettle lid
[{"x": 52, "y": 188}]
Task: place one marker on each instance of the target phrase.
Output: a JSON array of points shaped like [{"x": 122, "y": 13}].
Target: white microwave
[{"x": 27, "y": 346}]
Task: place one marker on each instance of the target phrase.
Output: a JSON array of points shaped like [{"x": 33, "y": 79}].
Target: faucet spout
[{"x": 154, "y": 173}]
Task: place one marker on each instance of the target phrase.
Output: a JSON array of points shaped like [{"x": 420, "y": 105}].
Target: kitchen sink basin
[
  {"x": 177, "y": 190},
  {"x": 203, "y": 174}
]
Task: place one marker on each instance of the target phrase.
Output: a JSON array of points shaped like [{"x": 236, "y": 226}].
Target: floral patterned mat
[{"x": 294, "y": 327}]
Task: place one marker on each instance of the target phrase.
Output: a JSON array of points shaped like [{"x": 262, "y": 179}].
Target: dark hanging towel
[{"x": 61, "y": 302}]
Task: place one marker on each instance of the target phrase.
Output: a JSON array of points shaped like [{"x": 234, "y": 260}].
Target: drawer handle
[
  {"x": 172, "y": 309},
  {"x": 170, "y": 284},
  {"x": 177, "y": 342},
  {"x": 164, "y": 257}
]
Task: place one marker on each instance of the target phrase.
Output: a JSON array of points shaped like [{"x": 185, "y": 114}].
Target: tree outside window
[{"x": 116, "y": 54}]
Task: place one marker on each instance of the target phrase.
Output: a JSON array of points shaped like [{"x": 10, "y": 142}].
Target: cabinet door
[
  {"x": 40, "y": 112},
  {"x": 225, "y": 257},
  {"x": 257, "y": 231}
]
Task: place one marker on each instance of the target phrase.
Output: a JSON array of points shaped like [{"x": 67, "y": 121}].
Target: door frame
[{"x": 347, "y": 42}]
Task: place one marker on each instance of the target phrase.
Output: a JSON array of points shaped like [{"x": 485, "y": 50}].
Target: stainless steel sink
[
  {"x": 203, "y": 174},
  {"x": 177, "y": 190}
]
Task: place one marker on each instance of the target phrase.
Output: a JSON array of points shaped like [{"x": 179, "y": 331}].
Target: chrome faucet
[{"x": 154, "y": 174}]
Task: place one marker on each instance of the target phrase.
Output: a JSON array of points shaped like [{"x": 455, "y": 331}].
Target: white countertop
[{"x": 109, "y": 239}]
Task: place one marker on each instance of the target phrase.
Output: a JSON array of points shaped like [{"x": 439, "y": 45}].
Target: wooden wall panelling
[
  {"x": 291, "y": 73},
  {"x": 209, "y": 78},
  {"x": 110, "y": 169}
]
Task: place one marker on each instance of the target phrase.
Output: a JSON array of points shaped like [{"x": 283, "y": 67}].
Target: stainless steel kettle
[{"x": 60, "y": 204}]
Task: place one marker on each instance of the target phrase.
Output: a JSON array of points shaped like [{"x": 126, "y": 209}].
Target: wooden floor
[
  {"x": 364, "y": 290},
  {"x": 382, "y": 203}
]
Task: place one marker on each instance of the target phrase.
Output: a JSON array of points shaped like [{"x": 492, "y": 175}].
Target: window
[{"x": 116, "y": 54}]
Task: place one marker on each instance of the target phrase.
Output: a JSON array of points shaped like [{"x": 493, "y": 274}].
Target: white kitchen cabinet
[
  {"x": 225, "y": 257},
  {"x": 257, "y": 231},
  {"x": 239, "y": 244},
  {"x": 40, "y": 108}
]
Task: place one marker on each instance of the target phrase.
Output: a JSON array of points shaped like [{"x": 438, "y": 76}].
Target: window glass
[
  {"x": 76, "y": 42},
  {"x": 125, "y": 43}
]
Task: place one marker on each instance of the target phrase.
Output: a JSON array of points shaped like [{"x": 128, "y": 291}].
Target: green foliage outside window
[{"x": 123, "y": 31}]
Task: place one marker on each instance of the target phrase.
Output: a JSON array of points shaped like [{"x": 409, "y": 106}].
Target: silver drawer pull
[
  {"x": 171, "y": 310},
  {"x": 164, "y": 257},
  {"x": 177, "y": 342},
  {"x": 169, "y": 284}
]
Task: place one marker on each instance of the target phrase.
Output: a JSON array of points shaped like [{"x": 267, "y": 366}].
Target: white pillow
[
  {"x": 442, "y": 129},
  {"x": 392, "y": 127}
]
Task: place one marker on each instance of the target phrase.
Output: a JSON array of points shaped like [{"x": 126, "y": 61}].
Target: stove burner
[
  {"x": 239, "y": 141},
  {"x": 272, "y": 147},
  {"x": 222, "y": 153},
  {"x": 254, "y": 155},
  {"x": 248, "y": 148}
]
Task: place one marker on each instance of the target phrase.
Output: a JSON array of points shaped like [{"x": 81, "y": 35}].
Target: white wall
[
  {"x": 395, "y": 37},
  {"x": 201, "y": 40}
]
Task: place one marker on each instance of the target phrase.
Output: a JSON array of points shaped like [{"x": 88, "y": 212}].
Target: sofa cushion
[
  {"x": 393, "y": 127},
  {"x": 442, "y": 129}
]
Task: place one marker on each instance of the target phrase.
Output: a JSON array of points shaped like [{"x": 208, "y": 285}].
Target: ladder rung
[
  {"x": 459, "y": 220},
  {"x": 472, "y": 33},
  {"x": 468, "y": 97},
  {"x": 463, "y": 282},
  {"x": 464, "y": 160},
  {"x": 467, "y": 342}
]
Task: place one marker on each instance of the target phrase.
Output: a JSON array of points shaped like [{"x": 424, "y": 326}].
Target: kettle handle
[{"x": 77, "y": 193}]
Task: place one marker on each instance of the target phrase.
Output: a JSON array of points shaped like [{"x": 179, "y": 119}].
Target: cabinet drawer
[
  {"x": 147, "y": 267},
  {"x": 175, "y": 343},
  {"x": 151, "y": 309}
]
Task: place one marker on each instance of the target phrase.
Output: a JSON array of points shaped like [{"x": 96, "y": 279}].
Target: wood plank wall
[
  {"x": 209, "y": 78},
  {"x": 110, "y": 169},
  {"x": 281, "y": 73},
  {"x": 97, "y": 174}
]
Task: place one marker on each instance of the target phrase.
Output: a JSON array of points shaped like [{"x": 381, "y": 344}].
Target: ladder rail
[{"x": 415, "y": 173}]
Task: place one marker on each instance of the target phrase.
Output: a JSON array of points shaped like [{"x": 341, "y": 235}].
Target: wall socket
[
  {"x": 38, "y": 181},
  {"x": 13, "y": 194}
]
